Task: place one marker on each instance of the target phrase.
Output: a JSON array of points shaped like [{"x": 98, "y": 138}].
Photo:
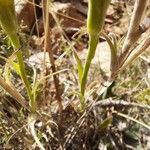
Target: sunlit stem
[
  {"x": 93, "y": 41},
  {"x": 16, "y": 45}
]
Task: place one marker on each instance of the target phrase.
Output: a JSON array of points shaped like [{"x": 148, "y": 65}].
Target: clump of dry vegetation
[{"x": 59, "y": 91}]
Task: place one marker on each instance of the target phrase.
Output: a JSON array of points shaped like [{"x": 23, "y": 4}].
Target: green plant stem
[
  {"x": 93, "y": 41},
  {"x": 25, "y": 80},
  {"x": 16, "y": 44}
]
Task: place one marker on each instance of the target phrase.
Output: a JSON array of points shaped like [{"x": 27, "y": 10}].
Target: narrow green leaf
[
  {"x": 79, "y": 65},
  {"x": 16, "y": 68},
  {"x": 106, "y": 123},
  {"x": 113, "y": 49}
]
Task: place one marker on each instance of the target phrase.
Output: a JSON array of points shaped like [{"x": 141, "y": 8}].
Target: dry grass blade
[
  {"x": 141, "y": 48},
  {"x": 132, "y": 119},
  {"x": 14, "y": 93},
  {"x": 123, "y": 103},
  {"x": 134, "y": 31},
  {"x": 31, "y": 122}
]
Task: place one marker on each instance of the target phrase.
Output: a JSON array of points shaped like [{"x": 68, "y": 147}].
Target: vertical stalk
[
  {"x": 23, "y": 75},
  {"x": 93, "y": 41},
  {"x": 96, "y": 17},
  {"x": 134, "y": 32},
  {"x": 47, "y": 47},
  {"x": 8, "y": 22}
]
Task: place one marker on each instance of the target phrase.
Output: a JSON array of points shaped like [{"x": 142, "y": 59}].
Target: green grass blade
[
  {"x": 113, "y": 51},
  {"x": 79, "y": 66}
]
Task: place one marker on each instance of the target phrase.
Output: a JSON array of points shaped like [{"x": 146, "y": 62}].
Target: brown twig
[
  {"x": 134, "y": 31},
  {"x": 47, "y": 47},
  {"x": 141, "y": 48}
]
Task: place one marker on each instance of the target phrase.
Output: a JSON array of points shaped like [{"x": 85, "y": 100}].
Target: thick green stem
[
  {"x": 93, "y": 41},
  {"x": 96, "y": 16},
  {"x": 25, "y": 80},
  {"x": 16, "y": 44},
  {"x": 9, "y": 24}
]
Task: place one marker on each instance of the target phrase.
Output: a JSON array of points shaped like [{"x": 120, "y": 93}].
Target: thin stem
[
  {"x": 134, "y": 31},
  {"x": 44, "y": 73},
  {"x": 133, "y": 34},
  {"x": 36, "y": 18},
  {"x": 141, "y": 48},
  {"x": 132, "y": 119},
  {"x": 93, "y": 41},
  {"x": 16, "y": 45},
  {"x": 47, "y": 47},
  {"x": 25, "y": 80},
  {"x": 9, "y": 24}
]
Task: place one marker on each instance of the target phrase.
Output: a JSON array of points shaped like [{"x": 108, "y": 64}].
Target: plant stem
[
  {"x": 48, "y": 48},
  {"x": 133, "y": 34},
  {"x": 8, "y": 22},
  {"x": 93, "y": 41},
  {"x": 141, "y": 48},
  {"x": 25, "y": 80},
  {"x": 16, "y": 45},
  {"x": 134, "y": 31}
]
